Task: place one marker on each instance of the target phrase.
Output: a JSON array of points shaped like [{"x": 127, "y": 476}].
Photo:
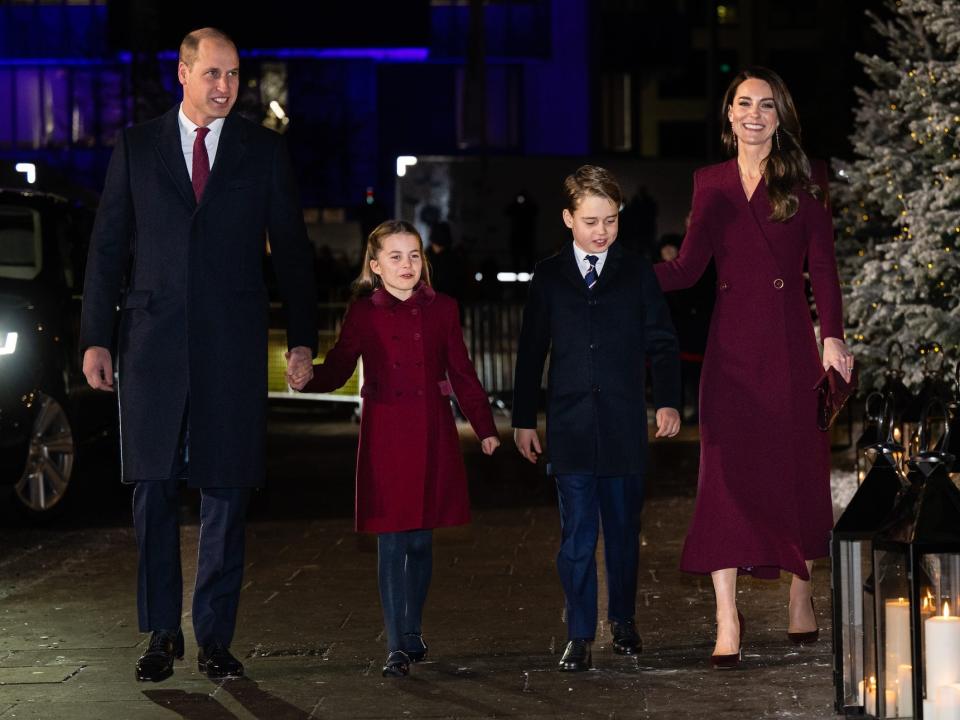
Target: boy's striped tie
[{"x": 592, "y": 275}]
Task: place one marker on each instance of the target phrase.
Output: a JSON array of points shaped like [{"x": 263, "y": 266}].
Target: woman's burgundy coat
[
  {"x": 763, "y": 501},
  {"x": 410, "y": 472}
]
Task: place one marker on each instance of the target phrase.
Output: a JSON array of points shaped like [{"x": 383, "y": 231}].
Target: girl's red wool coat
[{"x": 410, "y": 472}]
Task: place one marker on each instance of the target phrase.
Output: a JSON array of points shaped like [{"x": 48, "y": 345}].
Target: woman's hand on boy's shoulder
[
  {"x": 490, "y": 444},
  {"x": 668, "y": 422}
]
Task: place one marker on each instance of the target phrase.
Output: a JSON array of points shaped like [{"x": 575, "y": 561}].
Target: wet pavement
[{"x": 310, "y": 629}]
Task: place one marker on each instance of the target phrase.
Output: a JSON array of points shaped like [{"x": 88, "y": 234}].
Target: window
[
  {"x": 62, "y": 106},
  {"x": 617, "y": 111},
  {"x": 21, "y": 244},
  {"x": 490, "y": 116}
]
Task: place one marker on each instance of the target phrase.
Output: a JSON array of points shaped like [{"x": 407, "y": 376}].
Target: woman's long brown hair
[{"x": 786, "y": 169}]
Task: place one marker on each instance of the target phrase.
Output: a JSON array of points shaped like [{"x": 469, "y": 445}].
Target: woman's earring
[{"x": 777, "y": 133}]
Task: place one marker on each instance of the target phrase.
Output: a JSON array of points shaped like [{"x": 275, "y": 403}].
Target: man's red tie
[{"x": 201, "y": 162}]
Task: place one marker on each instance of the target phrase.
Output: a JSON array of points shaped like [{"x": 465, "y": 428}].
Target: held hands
[
  {"x": 98, "y": 368},
  {"x": 488, "y": 445},
  {"x": 528, "y": 443},
  {"x": 299, "y": 367},
  {"x": 668, "y": 422},
  {"x": 837, "y": 355}
]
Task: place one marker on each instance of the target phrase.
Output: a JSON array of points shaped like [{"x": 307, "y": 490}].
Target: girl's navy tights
[{"x": 405, "y": 564}]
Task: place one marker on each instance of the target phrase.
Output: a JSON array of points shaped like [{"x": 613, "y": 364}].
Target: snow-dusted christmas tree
[{"x": 897, "y": 205}]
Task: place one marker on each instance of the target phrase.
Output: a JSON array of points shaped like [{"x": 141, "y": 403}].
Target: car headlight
[{"x": 8, "y": 343}]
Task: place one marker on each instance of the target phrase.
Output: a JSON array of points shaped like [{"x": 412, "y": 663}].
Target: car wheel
[{"x": 50, "y": 458}]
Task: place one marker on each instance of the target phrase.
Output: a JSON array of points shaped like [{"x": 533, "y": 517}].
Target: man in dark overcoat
[
  {"x": 189, "y": 202},
  {"x": 596, "y": 308}
]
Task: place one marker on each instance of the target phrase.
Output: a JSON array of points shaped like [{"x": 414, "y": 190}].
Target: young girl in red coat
[{"x": 410, "y": 474}]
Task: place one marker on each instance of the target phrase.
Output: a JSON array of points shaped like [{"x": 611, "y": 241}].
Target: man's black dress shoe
[
  {"x": 577, "y": 657},
  {"x": 626, "y": 640},
  {"x": 156, "y": 663},
  {"x": 397, "y": 664},
  {"x": 416, "y": 647},
  {"x": 215, "y": 661}
]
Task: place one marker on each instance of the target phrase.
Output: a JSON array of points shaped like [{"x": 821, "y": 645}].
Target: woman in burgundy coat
[
  {"x": 763, "y": 501},
  {"x": 410, "y": 474}
]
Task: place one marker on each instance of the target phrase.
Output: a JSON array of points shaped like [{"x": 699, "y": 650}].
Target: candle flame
[{"x": 946, "y": 608}]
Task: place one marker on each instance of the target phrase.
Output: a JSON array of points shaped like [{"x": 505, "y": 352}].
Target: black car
[{"x": 49, "y": 417}]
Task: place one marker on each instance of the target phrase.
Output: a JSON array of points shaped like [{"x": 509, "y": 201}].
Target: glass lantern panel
[
  {"x": 854, "y": 569},
  {"x": 894, "y": 694},
  {"x": 866, "y": 457},
  {"x": 940, "y": 636}
]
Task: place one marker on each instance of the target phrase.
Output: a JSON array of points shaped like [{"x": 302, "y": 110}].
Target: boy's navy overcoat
[{"x": 602, "y": 342}]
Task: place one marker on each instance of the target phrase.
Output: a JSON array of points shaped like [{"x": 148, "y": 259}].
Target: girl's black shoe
[
  {"x": 397, "y": 665},
  {"x": 416, "y": 647}
]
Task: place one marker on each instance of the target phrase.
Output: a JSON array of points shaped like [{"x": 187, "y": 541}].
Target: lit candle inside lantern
[
  {"x": 867, "y": 695},
  {"x": 941, "y": 651},
  {"x": 890, "y": 703},
  {"x": 904, "y": 691},
  {"x": 897, "y": 640},
  {"x": 947, "y": 702}
]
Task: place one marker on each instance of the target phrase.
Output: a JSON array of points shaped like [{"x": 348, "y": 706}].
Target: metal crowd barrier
[{"x": 491, "y": 332}]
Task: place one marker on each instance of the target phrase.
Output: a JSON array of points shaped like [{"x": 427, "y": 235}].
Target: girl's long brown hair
[
  {"x": 368, "y": 280},
  {"x": 786, "y": 169}
]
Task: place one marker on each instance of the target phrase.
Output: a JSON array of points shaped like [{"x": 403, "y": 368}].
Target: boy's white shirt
[{"x": 583, "y": 264}]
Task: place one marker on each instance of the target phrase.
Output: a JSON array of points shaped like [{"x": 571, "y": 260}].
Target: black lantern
[
  {"x": 935, "y": 385},
  {"x": 903, "y": 400},
  {"x": 916, "y": 566},
  {"x": 872, "y": 436},
  {"x": 953, "y": 446},
  {"x": 854, "y": 630}
]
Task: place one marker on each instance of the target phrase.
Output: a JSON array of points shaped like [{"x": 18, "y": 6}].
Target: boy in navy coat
[{"x": 598, "y": 310}]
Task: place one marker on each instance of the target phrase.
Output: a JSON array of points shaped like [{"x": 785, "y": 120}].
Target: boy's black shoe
[
  {"x": 577, "y": 657},
  {"x": 626, "y": 640},
  {"x": 156, "y": 663},
  {"x": 215, "y": 661}
]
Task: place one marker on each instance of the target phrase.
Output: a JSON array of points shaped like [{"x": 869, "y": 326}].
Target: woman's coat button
[{"x": 778, "y": 284}]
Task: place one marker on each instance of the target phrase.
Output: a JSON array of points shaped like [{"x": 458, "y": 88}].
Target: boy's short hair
[{"x": 591, "y": 180}]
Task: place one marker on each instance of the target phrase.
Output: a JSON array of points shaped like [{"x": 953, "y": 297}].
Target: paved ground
[{"x": 310, "y": 629}]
